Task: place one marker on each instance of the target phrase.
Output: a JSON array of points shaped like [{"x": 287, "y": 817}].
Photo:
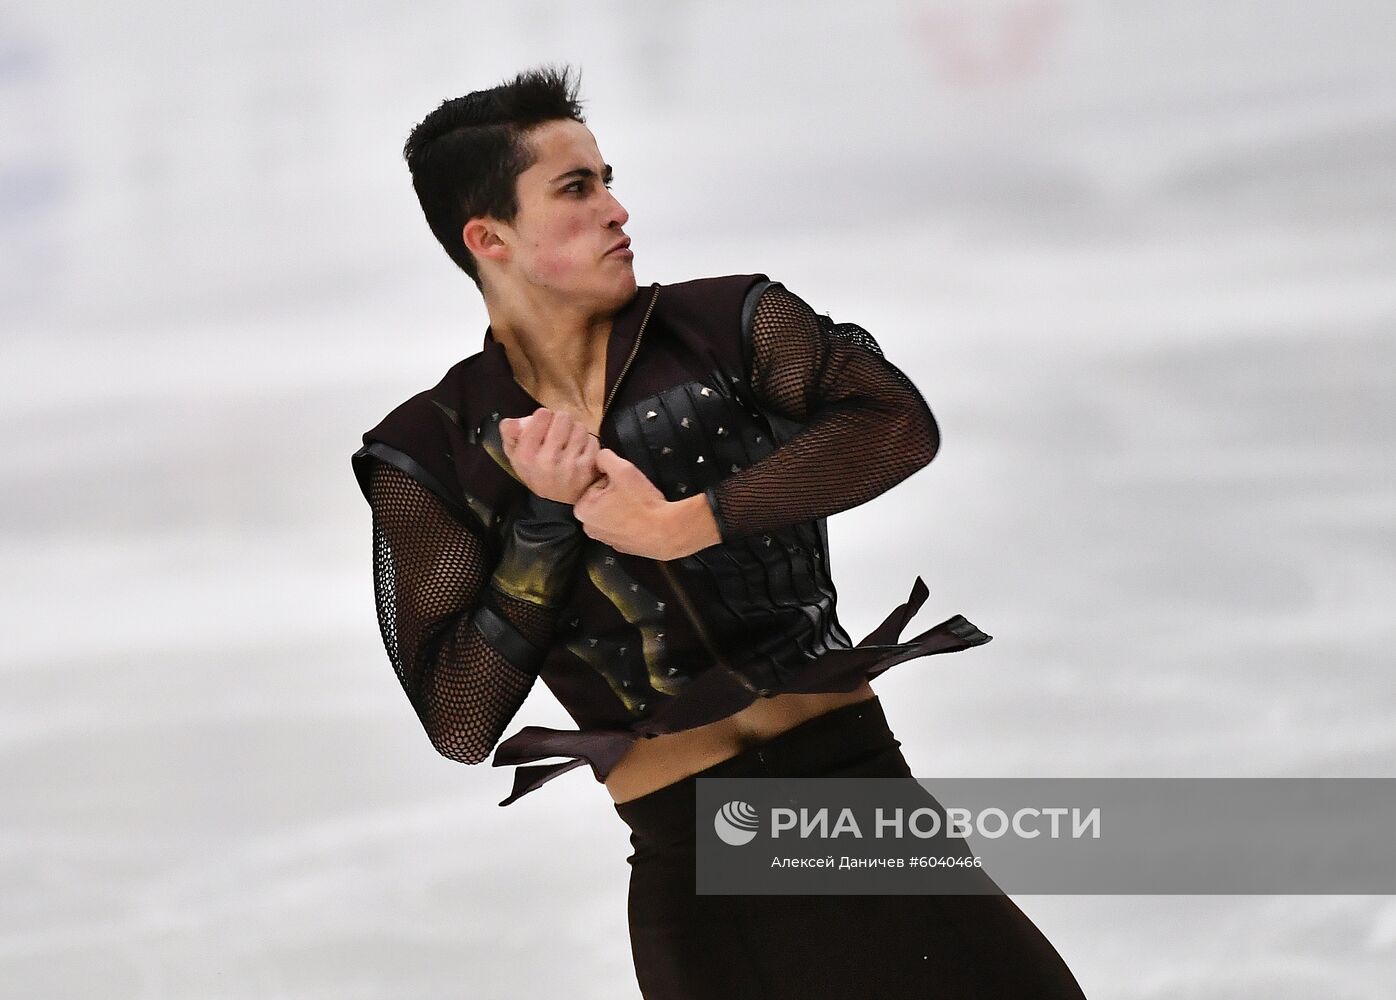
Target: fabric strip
[{"x": 835, "y": 670}]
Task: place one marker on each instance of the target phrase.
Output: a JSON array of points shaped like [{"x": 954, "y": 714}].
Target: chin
[
  {"x": 606, "y": 292},
  {"x": 625, "y": 287}
]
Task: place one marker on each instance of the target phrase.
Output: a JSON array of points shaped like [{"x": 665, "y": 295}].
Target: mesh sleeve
[
  {"x": 866, "y": 427},
  {"x": 442, "y": 626}
]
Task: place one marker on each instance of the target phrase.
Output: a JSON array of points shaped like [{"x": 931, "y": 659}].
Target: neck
[{"x": 555, "y": 350}]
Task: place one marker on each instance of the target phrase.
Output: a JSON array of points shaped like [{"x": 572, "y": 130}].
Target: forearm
[
  {"x": 863, "y": 425},
  {"x": 846, "y": 456},
  {"x": 500, "y": 644},
  {"x": 466, "y": 650}
]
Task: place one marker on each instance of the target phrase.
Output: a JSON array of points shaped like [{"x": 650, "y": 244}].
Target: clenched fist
[
  {"x": 629, "y": 513},
  {"x": 551, "y": 453}
]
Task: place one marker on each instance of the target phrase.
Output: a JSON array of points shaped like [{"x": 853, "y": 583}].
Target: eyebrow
[{"x": 582, "y": 172}]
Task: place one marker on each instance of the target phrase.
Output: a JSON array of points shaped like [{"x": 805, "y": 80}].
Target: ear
[{"x": 482, "y": 239}]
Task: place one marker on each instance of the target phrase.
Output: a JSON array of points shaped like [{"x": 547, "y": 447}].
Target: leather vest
[{"x": 646, "y": 647}]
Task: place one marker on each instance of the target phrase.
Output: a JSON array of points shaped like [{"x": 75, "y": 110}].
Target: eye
[{"x": 578, "y": 185}]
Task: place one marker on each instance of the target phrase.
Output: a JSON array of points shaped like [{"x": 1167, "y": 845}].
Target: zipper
[
  {"x": 634, "y": 348},
  {"x": 670, "y": 578}
]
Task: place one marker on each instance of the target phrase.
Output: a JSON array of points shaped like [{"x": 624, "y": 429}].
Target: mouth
[{"x": 622, "y": 248}]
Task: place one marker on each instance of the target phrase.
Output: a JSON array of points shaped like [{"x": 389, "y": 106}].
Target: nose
[{"x": 616, "y": 215}]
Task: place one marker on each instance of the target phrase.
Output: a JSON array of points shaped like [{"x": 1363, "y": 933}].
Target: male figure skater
[{"x": 624, "y": 493}]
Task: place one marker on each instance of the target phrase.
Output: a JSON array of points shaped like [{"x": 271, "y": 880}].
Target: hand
[
  {"x": 627, "y": 512},
  {"x": 551, "y": 453}
]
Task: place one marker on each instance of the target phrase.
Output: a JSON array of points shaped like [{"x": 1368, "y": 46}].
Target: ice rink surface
[{"x": 1139, "y": 258}]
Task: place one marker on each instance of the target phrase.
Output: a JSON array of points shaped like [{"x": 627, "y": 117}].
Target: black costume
[
  {"x": 796, "y": 947},
  {"x": 732, "y": 387}
]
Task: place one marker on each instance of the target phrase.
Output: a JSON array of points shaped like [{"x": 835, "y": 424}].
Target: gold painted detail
[
  {"x": 642, "y": 609},
  {"x": 481, "y": 510},
  {"x": 492, "y": 441}
]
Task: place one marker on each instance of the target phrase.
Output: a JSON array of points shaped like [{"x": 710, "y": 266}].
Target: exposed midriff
[{"x": 650, "y": 764}]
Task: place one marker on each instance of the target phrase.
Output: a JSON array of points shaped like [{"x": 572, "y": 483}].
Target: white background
[{"x": 1137, "y": 256}]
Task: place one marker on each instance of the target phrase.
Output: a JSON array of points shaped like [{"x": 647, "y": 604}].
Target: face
[{"x": 567, "y": 224}]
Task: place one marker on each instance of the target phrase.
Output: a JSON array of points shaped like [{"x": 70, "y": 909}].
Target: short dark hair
[{"x": 466, "y": 156}]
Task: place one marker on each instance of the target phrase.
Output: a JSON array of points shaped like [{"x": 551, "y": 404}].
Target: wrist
[
  {"x": 691, "y": 524},
  {"x": 720, "y": 525}
]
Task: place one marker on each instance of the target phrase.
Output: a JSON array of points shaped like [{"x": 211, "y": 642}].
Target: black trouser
[{"x": 772, "y": 947}]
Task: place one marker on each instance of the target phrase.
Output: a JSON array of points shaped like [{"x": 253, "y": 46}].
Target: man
[
  {"x": 638, "y": 518},
  {"x": 554, "y": 265}
]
